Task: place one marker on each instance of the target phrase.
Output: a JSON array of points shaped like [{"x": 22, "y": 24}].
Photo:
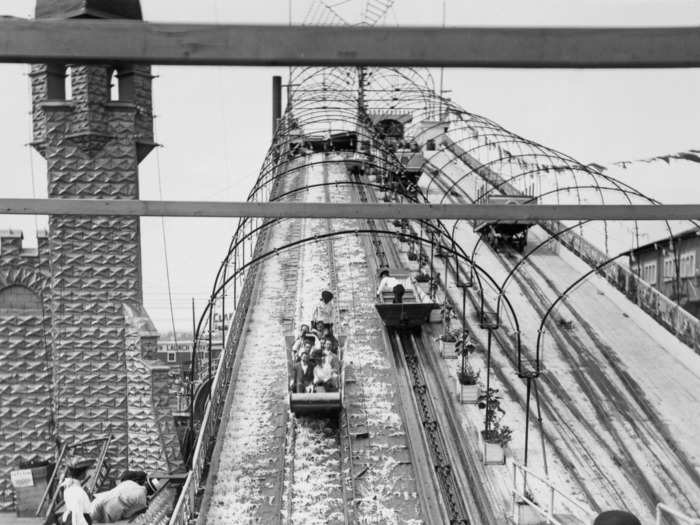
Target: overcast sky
[{"x": 214, "y": 123}]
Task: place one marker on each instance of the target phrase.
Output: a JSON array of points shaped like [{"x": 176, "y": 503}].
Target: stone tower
[{"x": 102, "y": 339}]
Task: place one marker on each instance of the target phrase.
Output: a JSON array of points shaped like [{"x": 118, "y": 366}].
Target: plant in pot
[
  {"x": 422, "y": 277},
  {"x": 496, "y": 436},
  {"x": 447, "y": 339},
  {"x": 468, "y": 387}
]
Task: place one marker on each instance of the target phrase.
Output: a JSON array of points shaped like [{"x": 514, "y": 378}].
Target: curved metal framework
[{"x": 466, "y": 156}]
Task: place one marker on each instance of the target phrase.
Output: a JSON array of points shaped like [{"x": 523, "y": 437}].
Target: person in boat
[
  {"x": 303, "y": 378},
  {"x": 324, "y": 311},
  {"x": 326, "y": 374},
  {"x": 387, "y": 283},
  {"x": 315, "y": 354},
  {"x": 329, "y": 346},
  {"x": 305, "y": 334},
  {"x": 326, "y": 337}
]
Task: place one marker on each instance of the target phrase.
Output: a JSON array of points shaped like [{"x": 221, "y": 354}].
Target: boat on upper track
[
  {"x": 505, "y": 232},
  {"x": 415, "y": 308}
]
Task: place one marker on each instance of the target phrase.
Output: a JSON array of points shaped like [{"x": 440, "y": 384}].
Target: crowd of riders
[{"x": 316, "y": 352}]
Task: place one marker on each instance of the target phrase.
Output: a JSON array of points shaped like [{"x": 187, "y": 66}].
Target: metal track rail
[
  {"x": 343, "y": 431},
  {"x": 347, "y": 478},
  {"x": 405, "y": 342}
]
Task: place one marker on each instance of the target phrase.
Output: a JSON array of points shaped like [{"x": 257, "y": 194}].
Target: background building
[{"x": 670, "y": 266}]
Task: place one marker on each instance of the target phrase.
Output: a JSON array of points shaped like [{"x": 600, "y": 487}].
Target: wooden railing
[
  {"x": 662, "y": 509},
  {"x": 556, "y": 498}
]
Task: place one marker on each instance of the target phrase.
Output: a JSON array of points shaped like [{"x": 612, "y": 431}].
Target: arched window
[
  {"x": 114, "y": 85},
  {"x": 68, "y": 84},
  {"x": 17, "y": 298}
]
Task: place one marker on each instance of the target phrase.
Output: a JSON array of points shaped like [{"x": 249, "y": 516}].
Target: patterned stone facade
[
  {"x": 25, "y": 358},
  {"x": 90, "y": 147},
  {"x": 76, "y": 345}
]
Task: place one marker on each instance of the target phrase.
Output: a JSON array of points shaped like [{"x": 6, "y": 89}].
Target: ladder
[{"x": 52, "y": 499}]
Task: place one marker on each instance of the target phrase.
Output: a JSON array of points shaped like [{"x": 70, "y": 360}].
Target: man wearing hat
[{"x": 128, "y": 498}]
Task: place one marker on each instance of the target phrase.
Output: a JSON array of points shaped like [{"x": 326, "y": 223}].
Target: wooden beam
[
  {"x": 100, "y": 41},
  {"x": 491, "y": 212}
]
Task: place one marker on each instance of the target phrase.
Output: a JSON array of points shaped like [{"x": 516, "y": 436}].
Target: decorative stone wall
[
  {"x": 153, "y": 442},
  {"x": 103, "y": 379},
  {"x": 25, "y": 359}
]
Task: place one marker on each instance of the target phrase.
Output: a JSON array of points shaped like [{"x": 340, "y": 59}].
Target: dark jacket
[{"x": 301, "y": 379}]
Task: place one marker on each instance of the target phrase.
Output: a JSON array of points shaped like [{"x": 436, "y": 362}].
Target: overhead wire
[{"x": 163, "y": 234}]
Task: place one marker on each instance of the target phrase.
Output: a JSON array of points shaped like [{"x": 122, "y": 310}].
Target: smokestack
[{"x": 276, "y": 101}]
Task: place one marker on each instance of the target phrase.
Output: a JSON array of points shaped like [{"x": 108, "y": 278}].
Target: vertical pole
[
  {"x": 223, "y": 313},
  {"x": 235, "y": 278},
  {"x": 516, "y": 516},
  {"x": 442, "y": 69},
  {"x": 211, "y": 328},
  {"x": 192, "y": 369},
  {"x": 550, "y": 511},
  {"x": 276, "y": 102},
  {"x": 528, "y": 388},
  {"x": 539, "y": 421},
  {"x": 464, "y": 321},
  {"x": 488, "y": 381}
]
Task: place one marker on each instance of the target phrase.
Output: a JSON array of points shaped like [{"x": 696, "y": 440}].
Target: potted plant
[
  {"x": 422, "y": 277},
  {"x": 496, "y": 436},
  {"x": 447, "y": 339},
  {"x": 422, "y": 280},
  {"x": 468, "y": 387}
]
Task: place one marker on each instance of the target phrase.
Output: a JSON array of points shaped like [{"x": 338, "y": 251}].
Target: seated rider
[
  {"x": 316, "y": 355},
  {"x": 326, "y": 374},
  {"x": 303, "y": 376},
  {"x": 326, "y": 337},
  {"x": 387, "y": 283},
  {"x": 305, "y": 335}
]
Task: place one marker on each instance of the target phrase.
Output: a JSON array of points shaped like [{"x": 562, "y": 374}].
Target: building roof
[
  {"x": 62, "y": 9},
  {"x": 685, "y": 234}
]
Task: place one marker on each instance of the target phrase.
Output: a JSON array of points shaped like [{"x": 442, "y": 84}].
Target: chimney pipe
[{"x": 276, "y": 101}]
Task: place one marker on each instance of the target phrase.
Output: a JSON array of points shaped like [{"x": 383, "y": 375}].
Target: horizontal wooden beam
[
  {"x": 491, "y": 212},
  {"x": 99, "y": 41}
]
